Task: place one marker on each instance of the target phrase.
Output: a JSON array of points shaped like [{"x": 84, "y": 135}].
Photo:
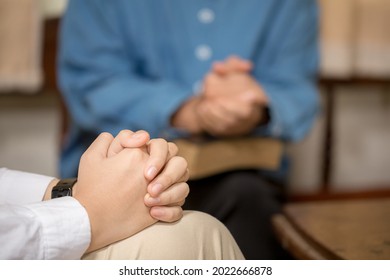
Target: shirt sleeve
[
  {"x": 19, "y": 188},
  {"x": 99, "y": 75},
  {"x": 287, "y": 68},
  {"x": 54, "y": 229}
]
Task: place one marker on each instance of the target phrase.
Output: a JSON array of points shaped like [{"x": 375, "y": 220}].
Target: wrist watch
[{"x": 63, "y": 188}]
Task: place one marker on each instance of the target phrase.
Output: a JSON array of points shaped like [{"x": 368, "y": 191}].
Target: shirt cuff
[
  {"x": 66, "y": 230},
  {"x": 17, "y": 187}
]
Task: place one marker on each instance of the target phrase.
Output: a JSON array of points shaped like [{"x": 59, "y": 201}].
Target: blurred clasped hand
[{"x": 232, "y": 102}]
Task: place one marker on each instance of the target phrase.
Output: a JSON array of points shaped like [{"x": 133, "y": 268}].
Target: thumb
[
  {"x": 128, "y": 139},
  {"x": 100, "y": 146}
]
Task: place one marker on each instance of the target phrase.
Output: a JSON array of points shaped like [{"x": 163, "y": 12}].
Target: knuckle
[
  {"x": 187, "y": 190},
  {"x": 178, "y": 194},
  {"x": 168, "y": 198},
  {"x": 141, "y": 131},
  {"x": 105, "y": 135},
  {"x": 181, "y": 203},
  {"x": 125, "y": 133},
  {"x": 182, "y": 193},
  {"x": 178, "y": 213},
  {"x": 138, "y": 153},
  {"x": 175, "y": 214},
  {"x": 159, "y": 140},
  {"x": 168, "y": 215},
  {"x": 168, "y": 180},
  {"x": 173, "y": 149},
  {"x": 181, "y": 161},
  {"x": 187, "y": 174},
  {"x": 158, "y": 143},
  {"x": 134, "y": 155}
]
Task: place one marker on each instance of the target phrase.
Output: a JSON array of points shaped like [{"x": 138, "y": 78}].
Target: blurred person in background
[{"x": 187, "y": 68}]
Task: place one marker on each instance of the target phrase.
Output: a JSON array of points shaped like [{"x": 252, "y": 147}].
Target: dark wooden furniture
[{"x": 353, "y": 229}]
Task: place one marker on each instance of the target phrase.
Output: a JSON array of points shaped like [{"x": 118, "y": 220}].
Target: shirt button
[
  {"x": 206, "y": 15},
  {"x": 203, "y": 52}
]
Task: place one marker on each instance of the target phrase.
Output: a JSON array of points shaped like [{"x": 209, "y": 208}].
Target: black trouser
[{"x": 244, "y": 202}]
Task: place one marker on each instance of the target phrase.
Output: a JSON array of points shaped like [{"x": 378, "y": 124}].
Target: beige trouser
[{"x": 197, "y": 236}]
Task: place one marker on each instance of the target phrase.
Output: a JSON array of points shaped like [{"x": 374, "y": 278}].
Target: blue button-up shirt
[{"x": 132, "y": 63}]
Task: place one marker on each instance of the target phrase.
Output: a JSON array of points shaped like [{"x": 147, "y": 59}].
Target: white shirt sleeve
[
  {"x": 53, "y": 229},
  {"x": 20, "y": 188}
]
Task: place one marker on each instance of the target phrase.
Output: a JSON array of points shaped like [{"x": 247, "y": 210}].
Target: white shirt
[{"x": 34, "y": 229}]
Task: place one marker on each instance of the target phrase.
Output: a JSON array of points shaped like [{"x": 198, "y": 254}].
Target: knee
[
  {"x": 204, "y": 226},
  {"x": 213, "y": 240},
  {"x": 200, "y": 219}
]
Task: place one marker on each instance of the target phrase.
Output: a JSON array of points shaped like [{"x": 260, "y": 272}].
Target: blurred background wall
[
  {"x": 347, "y": 150},
  {"x": 29, "y": 115}
]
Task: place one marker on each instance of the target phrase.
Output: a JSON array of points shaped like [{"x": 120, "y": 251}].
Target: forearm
[{"x": 126, "y": 101}]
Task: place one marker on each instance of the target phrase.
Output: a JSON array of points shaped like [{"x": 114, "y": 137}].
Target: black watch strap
[{"x": 63, "y": 188}]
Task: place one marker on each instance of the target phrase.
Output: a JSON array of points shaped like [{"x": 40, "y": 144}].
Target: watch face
[
  {"x": 63, "y": 188},
  {"x": 60, "y": 192}
]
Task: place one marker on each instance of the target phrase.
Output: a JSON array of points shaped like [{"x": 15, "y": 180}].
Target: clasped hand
[
  {"x": 232, "y": 101},
  {"x": 129, "y": 182}
]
